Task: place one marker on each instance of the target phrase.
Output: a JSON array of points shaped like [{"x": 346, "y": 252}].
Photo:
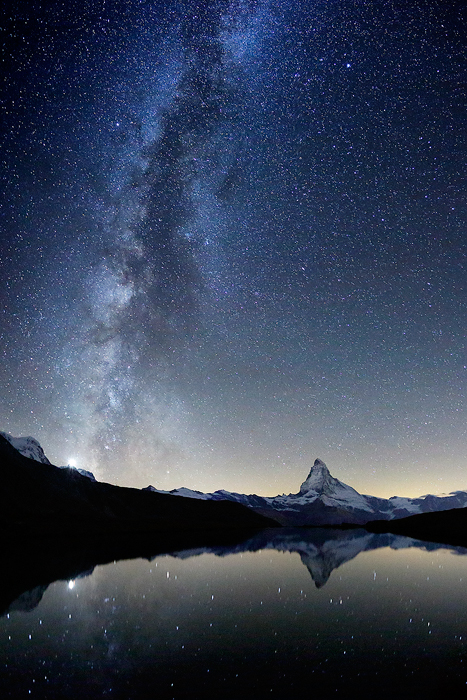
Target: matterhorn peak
[{"x": 319, "y": 479}]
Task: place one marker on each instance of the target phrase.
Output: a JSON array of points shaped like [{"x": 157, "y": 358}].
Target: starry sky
[{"x": 233, "y": 240}]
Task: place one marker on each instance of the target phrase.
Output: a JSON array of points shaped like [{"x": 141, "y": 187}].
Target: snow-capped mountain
[
  {"x": 27, "y": 446},
  {"x": 324, "y": 500},
  {"x": 30, "y": 447}
]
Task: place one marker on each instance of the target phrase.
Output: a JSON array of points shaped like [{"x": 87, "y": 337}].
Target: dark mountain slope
[
  {"x": 447, "y": 526},
  {"x": 36, "y": 496}
]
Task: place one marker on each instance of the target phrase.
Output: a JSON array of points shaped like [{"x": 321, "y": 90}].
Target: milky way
[{"x": 233, "y": 240}]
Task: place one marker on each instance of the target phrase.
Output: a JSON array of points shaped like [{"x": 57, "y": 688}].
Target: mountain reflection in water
[
  {"x": 321, "y": 550},
  {"x": 234, "y": 618}
]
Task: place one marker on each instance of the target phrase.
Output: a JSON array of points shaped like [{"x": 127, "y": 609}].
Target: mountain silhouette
[{"x": 37, "y": 496}]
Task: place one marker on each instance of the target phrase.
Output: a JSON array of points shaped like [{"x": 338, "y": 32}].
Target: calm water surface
[{"x": 384, "y": 620}]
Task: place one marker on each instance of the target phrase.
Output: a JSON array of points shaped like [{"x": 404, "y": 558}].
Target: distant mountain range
[
  {"x": 324, "y": 500},
  {"x": 321, "y": 501}
]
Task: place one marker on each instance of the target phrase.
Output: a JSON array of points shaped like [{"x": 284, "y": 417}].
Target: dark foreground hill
[
  {"x": 446, "y": 527},
  {"x": 38, "y": 497}
]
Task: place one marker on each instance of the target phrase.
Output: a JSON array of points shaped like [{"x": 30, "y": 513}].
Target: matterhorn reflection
[{"x": 321, "y": 550}]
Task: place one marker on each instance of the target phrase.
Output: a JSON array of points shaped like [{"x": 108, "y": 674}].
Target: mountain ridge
[
  {"x": 321, "y": 500},
  {"x": 325, "y": 500}
]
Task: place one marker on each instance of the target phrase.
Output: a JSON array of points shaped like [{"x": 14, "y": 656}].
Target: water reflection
[
  {"x": 321, "y": 550},
  {"x": 246, "y": 618}
]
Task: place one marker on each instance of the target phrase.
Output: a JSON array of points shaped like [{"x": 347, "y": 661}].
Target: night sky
[{"x": 233, "y": 240}]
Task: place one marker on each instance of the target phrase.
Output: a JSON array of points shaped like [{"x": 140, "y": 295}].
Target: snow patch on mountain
[
  {"x": 187, "y": 493},
  {"x": 27, "y": 446}
]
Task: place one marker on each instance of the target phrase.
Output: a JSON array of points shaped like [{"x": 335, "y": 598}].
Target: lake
[{"x": 334, "y": 611}]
